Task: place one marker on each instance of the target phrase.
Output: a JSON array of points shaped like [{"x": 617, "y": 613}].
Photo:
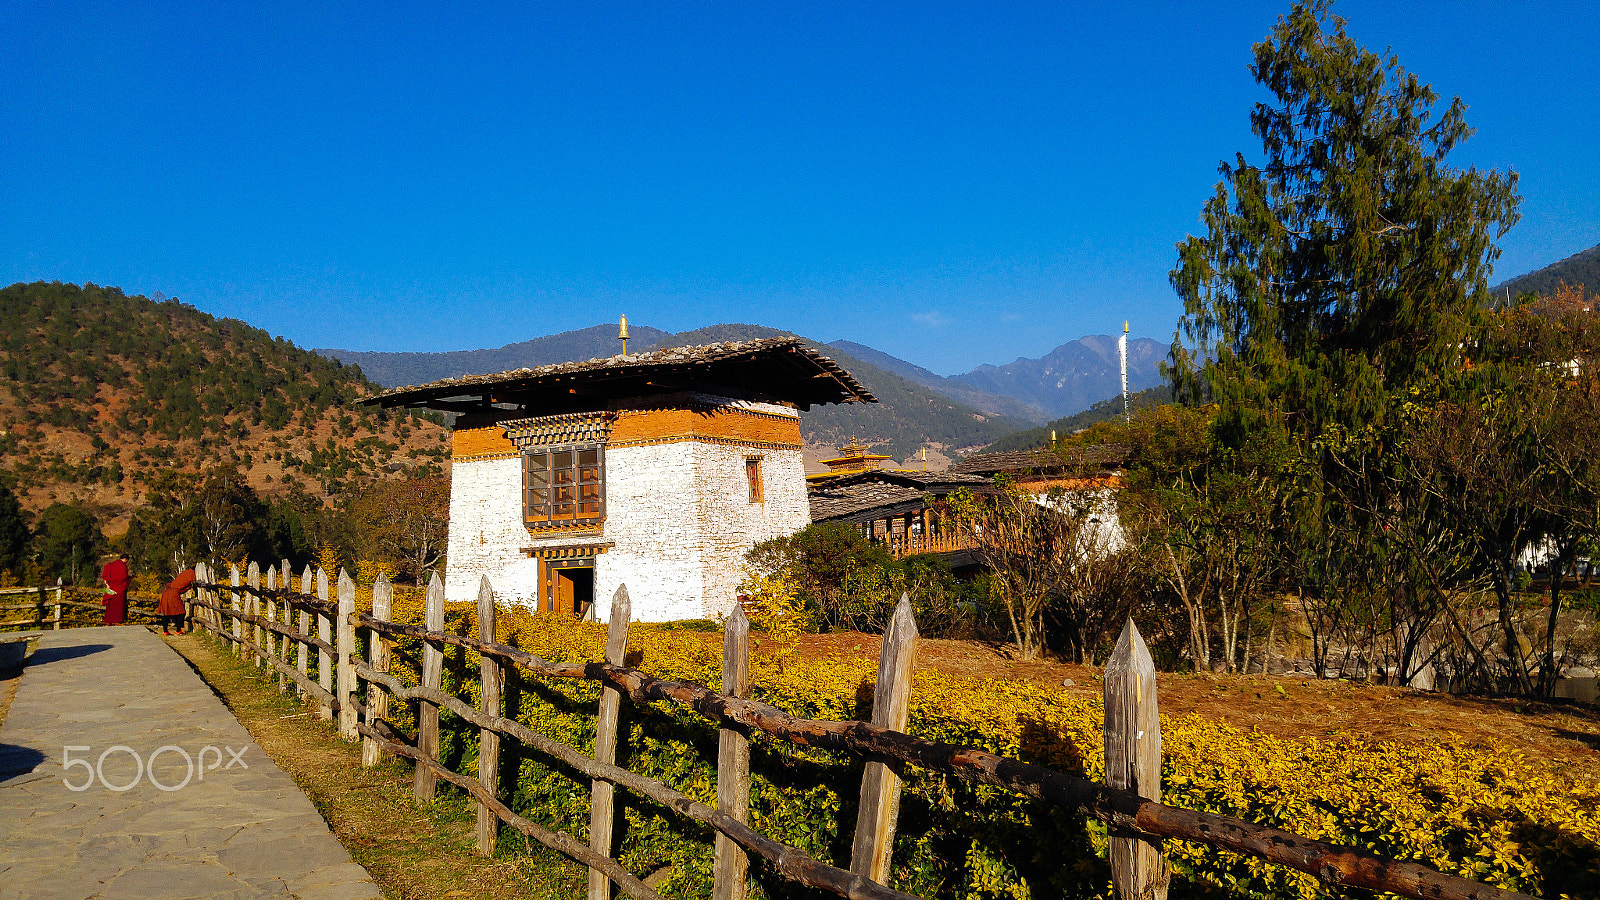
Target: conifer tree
[
  {"x": 1351, "y": 261},
  {"x": 1336, "y": 287}
]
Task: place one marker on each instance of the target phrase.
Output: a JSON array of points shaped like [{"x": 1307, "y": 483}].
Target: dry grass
[{"x": 411, "y": 851}]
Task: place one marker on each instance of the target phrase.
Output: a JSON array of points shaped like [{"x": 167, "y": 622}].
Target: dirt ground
[{"x": 1563, "y": 732}]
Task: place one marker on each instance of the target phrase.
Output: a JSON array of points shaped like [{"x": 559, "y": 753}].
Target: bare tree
[{"x": 1045, "y": 553}]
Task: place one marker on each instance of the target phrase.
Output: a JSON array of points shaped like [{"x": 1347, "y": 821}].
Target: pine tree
[{"x": 1350, "y": 263}]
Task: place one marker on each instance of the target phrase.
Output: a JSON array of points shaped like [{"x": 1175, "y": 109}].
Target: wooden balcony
[{"x": 903, "y": 545}]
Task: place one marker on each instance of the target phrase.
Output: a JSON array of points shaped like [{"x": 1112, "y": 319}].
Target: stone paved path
[{"x": 239, "y": 827}]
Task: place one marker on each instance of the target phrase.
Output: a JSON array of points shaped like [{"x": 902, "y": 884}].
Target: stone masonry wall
[{"x": 487, "y": 534}]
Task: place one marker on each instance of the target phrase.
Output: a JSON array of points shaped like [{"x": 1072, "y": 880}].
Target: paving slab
[{"x": 80, "y": 816}]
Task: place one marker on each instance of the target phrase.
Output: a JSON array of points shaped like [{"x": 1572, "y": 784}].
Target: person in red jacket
[
  {"x": 170, "y": 609},
  {"x": 117, "y": 580}
]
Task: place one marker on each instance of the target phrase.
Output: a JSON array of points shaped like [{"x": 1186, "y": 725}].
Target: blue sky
[{"x": 951, "y": 183}]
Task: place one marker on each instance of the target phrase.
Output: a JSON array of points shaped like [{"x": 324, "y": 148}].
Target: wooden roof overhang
[
  {"x": 861, "y": 497},
  {"x": 770, "y": 370}
]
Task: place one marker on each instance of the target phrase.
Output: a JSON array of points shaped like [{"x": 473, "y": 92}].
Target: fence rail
[
  {"x": 269, "y": 625},
  {"x": 62, "y": 605}
]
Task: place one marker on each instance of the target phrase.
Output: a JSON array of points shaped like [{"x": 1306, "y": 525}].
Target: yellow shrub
[{"x": 1487, "y": 813}]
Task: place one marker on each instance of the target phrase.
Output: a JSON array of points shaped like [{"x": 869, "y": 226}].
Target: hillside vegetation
[
  {"x": 906, "y": 418},
  {"x": 1582, "y": 268},
  {"x": 104, "y": 393}
]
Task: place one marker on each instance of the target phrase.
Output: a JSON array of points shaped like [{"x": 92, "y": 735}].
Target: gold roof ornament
[{"x": 622, "y": 335}]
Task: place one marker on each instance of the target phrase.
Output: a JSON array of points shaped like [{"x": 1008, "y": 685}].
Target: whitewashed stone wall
[
  {"x": 681, "y": 519},
  {"x": 487, "y": 534}
]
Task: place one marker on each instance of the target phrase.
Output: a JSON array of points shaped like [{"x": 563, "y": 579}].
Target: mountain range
[{"x": 918, "y": 410}]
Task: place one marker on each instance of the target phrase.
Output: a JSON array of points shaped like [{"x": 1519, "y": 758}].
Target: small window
[
  {"x": 752, "y": 474},
  {"x": 563, "y": 485}
]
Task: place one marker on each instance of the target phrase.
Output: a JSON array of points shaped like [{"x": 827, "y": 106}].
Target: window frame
[
  {"x": 547, "y": 512},
  {"x": 755, "y": 479}
]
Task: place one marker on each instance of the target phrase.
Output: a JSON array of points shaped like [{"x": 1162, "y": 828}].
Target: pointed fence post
[
  {"x": 302, "y": 649},
  {"x": 286, "y": 582},
  {"x": 345, "y": 652},
  {"x": 880, "y": 782},
  {"x": 252, "y": 605},
  {"x": 730, "y": 864},
  {"x": 325, "y": 632},
  {"x": 423, "y": 782},
  {"x": 1133, "y": 762},
  {"x": 378, "y": 659},
  {"x": 602, "y": 800},
  {"x": 233, "y": 604},
  {"x": 272, "y": 616},
  {"x": 490, "y": 679}
]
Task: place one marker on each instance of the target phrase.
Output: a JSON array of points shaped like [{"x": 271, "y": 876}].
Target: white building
[{"x": 658, "y": 471}]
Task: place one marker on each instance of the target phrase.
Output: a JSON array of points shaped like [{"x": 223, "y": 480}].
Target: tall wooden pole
[
  {"x": 378, "y": 659},
  {"x": 1133, "y": 762},
  {"x": 324, "y": 631},
  {"x": 344, "y": 653},
  {"x": 424, "y": 781},
  {"x": 880, "y": 783},
  {"x": 490, "y": 675},
  {"x": 602, "y": 800},
  {"x": 731, "y": 865}
]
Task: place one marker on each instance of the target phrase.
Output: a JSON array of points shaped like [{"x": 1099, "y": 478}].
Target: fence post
[
  {"x": 253, "y": 605},
  {"x": 194, "y": 612},
  {"x": 423, "y": 782},
  {"x": 378, "y": 659},
  {"x": 271, "y": 604},
  {"x": 602, "y": 805},
  {"x": 880, "y": 782},
  {"x": 345, "y": 653},
  {"x": 233, "y": 604},
  {"x": 490, "y": 677},
  {"x": 730, "y": 864},
  {"x": 58, "y": 604},
  {"x": 286, "y": 618},
  {"x": 324, "y": 631},
  {"x": 1133, "y": 762},
  {"x": 38, "y": 605},
  {"x": 303, "y": 651}
]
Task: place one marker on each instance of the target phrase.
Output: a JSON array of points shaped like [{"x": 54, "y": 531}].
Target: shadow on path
[
  {"x": 45, "y": 655},
  {"x": 16, "y": 761}
]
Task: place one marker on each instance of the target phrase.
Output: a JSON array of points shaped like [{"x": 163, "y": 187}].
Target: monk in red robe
[
  {"x": 117, "y": 580},
  {"x": 170, "y": 609}
]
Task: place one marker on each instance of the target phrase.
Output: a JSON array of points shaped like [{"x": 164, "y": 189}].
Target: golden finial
[{"x": 622, "y": 335}]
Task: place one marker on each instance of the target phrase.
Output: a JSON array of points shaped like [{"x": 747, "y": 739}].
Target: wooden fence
[
  {"x": 271, "y": 625},
  {"x": 61, "y": 605}
]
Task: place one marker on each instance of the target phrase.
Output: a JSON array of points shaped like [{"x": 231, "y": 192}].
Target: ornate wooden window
[
  {"x": 752, "y": 474},
  {"x": 563, "y": 484}
]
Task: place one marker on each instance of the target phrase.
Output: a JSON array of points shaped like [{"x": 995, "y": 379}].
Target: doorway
[{"x": 569, "y": 587}]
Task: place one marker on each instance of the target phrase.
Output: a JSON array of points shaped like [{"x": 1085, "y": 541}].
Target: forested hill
[
  {"x": 103, "y": 391},
  {"x": 1581, "y": 268},
  {"x": 404, "y": 369},
  {"x": 906, "y": 417}
]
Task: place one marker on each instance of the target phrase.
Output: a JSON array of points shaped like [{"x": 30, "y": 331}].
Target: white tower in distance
[{"x": 1122, "y": 353}]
